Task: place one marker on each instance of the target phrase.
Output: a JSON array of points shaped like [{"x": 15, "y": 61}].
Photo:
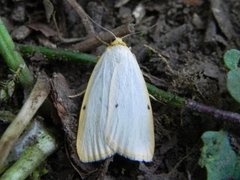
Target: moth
[{"x": 116, "y": 113}]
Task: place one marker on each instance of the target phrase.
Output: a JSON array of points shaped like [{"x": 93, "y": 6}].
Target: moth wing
[
  {"x": 129, "y": 129},
  {"x": 91, "y": 145}
]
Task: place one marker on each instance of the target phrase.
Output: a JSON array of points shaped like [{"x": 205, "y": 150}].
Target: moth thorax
[{"x": 118, "y": 41}]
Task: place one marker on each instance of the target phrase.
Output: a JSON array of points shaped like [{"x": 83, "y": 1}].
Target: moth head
[{"x": 118, "y": 41}]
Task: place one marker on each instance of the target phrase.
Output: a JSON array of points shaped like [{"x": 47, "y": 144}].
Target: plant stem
[
  {"x": 60, "y": 54},
  {"x": 31, "y": 157},
  {"x": 12, "y": 58},
  {"x": 166, "y": 97}
]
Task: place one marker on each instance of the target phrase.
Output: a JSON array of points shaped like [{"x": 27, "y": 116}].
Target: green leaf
[
  {"x": 233, "y": 84},
  {"x": 218, "y": 157},
  {"x": 232, "y": 58}
]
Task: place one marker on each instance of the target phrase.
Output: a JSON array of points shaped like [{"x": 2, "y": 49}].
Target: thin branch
[
  {"x": 94, "y": 42},
  {"x": 217, "y": 113},
  {"x": 83, "y": 46},
  {"x": 83, "y": 15}
]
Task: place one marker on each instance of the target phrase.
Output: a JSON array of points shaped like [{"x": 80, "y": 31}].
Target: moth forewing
[{"x": 91, "y": 145}]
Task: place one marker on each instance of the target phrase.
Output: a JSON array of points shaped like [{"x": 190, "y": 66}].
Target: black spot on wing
[{"x": 148, "y": 107}]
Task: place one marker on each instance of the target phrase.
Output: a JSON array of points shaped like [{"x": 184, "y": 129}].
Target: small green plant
[
  {"x": 218, "y": 156},
  {"x": 232, "y": 61}
]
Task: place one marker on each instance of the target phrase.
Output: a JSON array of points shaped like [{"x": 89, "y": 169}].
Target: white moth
[{"x": 116, "y": 114}]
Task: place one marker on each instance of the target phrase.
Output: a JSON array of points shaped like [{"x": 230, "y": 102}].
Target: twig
[
  {"x": 86, "y": 45},
  {"x": 180, "y": 102},
  {"x": 84, "y": 17},
  {"x": 32, "y": 157},
  {"x": 13, "y": 59},
  {"x": 217, "y": 113},
  {"x": 93, "y": 42},
  {"x": 14, "y": 130}
]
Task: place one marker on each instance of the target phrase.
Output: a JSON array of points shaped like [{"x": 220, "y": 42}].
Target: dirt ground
[{"x": 189, "y": 38}]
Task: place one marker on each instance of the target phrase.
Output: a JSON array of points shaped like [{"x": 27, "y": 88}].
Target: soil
[{"x": 188, "y": 38}]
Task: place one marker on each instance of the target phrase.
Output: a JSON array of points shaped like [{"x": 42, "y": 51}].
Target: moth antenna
[
  {"x": 138, "y": 32},
  {"x": 101, "y": 26},
  {"x": 130, "y": 34},
  {"x": 127, "y": 35}
]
